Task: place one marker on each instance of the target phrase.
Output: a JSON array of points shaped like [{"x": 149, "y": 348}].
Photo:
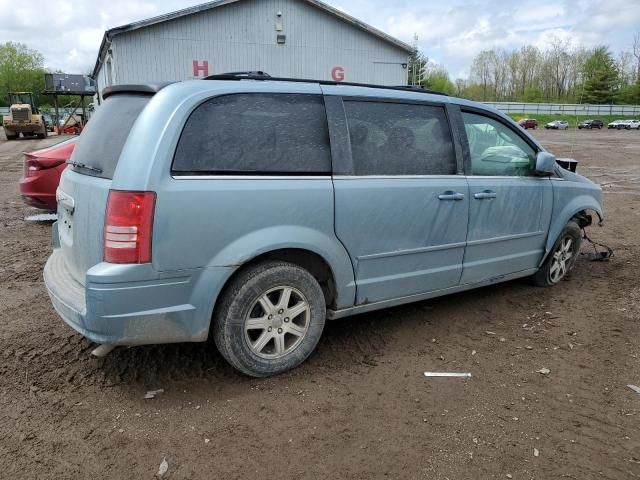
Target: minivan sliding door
[{"x": 400, "y": 207}]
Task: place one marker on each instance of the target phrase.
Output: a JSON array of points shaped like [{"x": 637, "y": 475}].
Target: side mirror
[{"x": 545, "y": 163}]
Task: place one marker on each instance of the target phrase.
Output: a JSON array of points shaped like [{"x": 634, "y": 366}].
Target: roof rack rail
[{"x": 258, "y": 75}]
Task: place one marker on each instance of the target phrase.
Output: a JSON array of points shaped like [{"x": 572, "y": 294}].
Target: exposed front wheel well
[{"x": 584, "y": 218}]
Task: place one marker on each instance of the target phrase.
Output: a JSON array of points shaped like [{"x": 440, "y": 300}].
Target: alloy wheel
[
  {"x": 562, "y": 260},
  {"x": 277, "y": 322}
]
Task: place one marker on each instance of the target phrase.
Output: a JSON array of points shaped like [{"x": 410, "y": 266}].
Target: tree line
[{"x": 561, "y": 73}]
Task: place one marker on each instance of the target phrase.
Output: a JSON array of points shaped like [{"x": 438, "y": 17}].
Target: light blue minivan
[{"x": 249, "y": 209}]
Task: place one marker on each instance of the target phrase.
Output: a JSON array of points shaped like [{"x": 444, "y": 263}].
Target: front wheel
[
  {"x": 562, "y": 257},
  {"x": 269, "y": 319}
]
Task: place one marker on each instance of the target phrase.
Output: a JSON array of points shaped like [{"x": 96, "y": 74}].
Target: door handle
[
  {"x": 485, "y": 194},
  {"x": 450, "y": 195}
]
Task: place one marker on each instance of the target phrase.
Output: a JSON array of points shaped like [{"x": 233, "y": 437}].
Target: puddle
[{"x": 42, "y": 217}]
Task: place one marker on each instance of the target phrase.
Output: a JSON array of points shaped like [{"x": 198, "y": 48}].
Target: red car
[
  {"x": 42, "y": 170},
  {"x": 528, "y": 123}
]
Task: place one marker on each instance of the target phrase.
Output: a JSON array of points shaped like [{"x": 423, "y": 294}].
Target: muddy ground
[{"x": 360, "y": 408}]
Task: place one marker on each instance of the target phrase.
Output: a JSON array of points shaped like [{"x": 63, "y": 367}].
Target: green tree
[
  {"x": 21, "y": 69},
  {"x": 532, "y": 95},
  {"x": 629, "y": 94},
  {"x": 600, "y": 77},
  {"x": 438, "y": 79}
]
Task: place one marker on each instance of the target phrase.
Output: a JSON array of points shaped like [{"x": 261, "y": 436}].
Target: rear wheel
[
  {"x": 562, "y": 257},
  {"x": 269, "y": 319}
]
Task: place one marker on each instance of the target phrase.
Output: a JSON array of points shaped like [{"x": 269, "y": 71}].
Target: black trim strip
[
  {"x": 246, "y": 173},
  {"x": 341, "y": 159}
]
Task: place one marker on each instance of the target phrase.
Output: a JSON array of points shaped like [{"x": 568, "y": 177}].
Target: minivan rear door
[
  {"x": 84, "y": 188},
  {"x": 400, "y": 205}
]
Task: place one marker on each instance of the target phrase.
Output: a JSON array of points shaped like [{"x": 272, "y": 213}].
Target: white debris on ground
[
  {"x": 164, "y": 467},
  {"x": 153, "y": 393}
]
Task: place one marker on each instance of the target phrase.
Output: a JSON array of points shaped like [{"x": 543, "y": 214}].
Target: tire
[
  {"x": 276, "y": 343},
  {"x": 548, "y": 275}
]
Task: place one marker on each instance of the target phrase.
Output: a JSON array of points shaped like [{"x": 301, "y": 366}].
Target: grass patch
[{"x": 544, "y": 118}]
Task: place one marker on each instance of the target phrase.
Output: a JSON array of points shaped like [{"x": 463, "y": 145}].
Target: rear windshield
[{"x": 101, "y": 142}]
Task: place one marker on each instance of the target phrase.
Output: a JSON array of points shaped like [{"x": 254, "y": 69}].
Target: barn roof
[{"x": 109, "y": 34}]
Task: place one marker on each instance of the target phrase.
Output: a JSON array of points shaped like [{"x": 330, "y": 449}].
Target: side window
[
  {"x": 399, "y": 139},
  {"x": 495, "y": 149},
  {"x": 256, "y": 133}
]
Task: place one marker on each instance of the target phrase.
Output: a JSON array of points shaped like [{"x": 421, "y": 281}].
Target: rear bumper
[{"x": 148, "y": 308}]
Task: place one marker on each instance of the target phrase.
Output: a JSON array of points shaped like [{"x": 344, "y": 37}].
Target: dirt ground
[{"x": 360, "y": 407}]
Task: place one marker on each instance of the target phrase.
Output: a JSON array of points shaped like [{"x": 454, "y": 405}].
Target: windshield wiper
[{"x": 86, "y": 167}]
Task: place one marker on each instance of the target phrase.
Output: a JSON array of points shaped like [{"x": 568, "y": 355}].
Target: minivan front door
[
  {"x": 509, "y": 207},
  {"x": 402, "y": 212}
]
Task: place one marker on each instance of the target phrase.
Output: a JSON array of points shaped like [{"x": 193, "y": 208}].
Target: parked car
[
  {"x": 589, "y": 124},
  {"x": 528, "y": 123},
  {"x": 618, "y": 124},
  {"x": 41, "y": 174},
  {"x": 557, "y": 125},
  {"x": 632, "y": 124},
  {"x": 251, "y": 210}
]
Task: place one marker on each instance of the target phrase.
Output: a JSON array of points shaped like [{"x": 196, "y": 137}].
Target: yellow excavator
[{"x": 23, "y": 117}]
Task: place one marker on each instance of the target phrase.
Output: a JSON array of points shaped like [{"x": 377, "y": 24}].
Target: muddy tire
[
  {"x": 561, "y": 258},
  {"x": 269, "y": 319}
]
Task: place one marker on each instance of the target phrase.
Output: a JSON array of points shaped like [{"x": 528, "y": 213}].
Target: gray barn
[{"x": 285, "y": 38}]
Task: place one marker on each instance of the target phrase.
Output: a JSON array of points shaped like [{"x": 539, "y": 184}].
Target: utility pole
[{"x": 416, "y": 62}]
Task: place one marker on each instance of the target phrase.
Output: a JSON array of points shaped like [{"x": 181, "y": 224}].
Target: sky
[{"x": 450, "y": 32}]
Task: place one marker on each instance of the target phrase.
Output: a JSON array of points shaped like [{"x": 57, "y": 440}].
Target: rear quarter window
[
  {"x": 100, "y": 145},
  {"x": 256, "y": 133}
]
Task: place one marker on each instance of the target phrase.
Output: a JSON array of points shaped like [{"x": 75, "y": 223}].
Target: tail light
[
  {"x": 128, "y": 226},
  {"x": 32, "y": 165}
]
